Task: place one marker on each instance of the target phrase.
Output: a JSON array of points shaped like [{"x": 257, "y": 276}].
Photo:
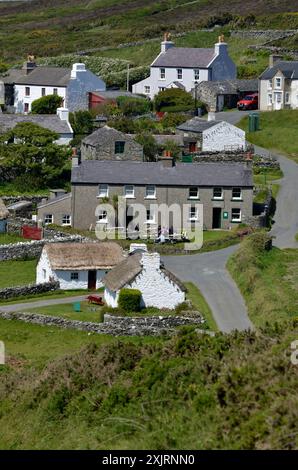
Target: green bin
[
  {"x": 77, "y": 306},
  {"x": 256, "y": 121},
  {"x": 251, "y": 123}
]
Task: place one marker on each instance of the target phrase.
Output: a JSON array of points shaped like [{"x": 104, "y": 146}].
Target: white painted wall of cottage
[
  {"x": 222, "y": 137},
  {"x": 157, "y": 290},
  {"x": 35, "y": 93}
]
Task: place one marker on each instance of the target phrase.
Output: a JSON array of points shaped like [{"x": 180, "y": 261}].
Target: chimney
[
  {"x": 77, "y": 68},
  {"x": 273, "y": 59},
  {"x": 151, "y": 261},
  {"x": 63, "y": 114},
  {"x": 166, "y": 43},
  {"x": 167, "y": 161},
  {"x": 211, "y": 116},
  {"x": 30, "y": 64},
  {"x": 221, "y": 46},
  {"x": 74, "y": 158}
]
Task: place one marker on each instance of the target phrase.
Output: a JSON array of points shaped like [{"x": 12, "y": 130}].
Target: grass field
[
  {"x": 17, "y": 273},
  {"x": 87, "y": 312},
  {"x": 278, "y": 132},
  {"x": 199, "y": 302},
  {"x": 6, "y": 239}
]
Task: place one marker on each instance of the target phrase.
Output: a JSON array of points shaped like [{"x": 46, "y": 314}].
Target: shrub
[
  {"x": 133, "y": 106},
  {"x": 46, "y": 104},
  {"x": 173, "y": 120},
  {"x": 130, "y": 300},
  {"x": 173, "y": 99}
]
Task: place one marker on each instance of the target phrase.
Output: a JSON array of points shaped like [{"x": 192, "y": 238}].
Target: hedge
[{"x": 130, "y": 300}]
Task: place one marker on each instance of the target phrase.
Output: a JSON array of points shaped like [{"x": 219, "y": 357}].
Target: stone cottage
[
  {"x": 211, "y": 136},
  {"x": 144, "y": 271},
  {"x": 107, "y": 143},
  {"x": 56, "y": 209},
  {"x": 77, "y": 265}
]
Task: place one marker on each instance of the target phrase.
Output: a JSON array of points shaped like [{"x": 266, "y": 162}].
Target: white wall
[
  {"x": 223, "y": 136},
  {"x": 35, "y": 93},
  {"x": 43, "y": 264},
  {"x": 111, "y": 298}
]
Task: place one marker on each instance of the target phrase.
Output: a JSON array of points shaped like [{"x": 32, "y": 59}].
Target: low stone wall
[
  {"x": 115, "y": 326},
  {"x": 266, "y": 34},
  {"x": 13, "y": 199},
  {"x": 32, "y": 289},
  {"x": 260, "y": 161}
]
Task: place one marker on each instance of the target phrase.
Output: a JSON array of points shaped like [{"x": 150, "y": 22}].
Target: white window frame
[
  {"x": 129, "y": 191},
  {"x": 197, "y": 195},
  {"x": 55, "y": 91},
  {"x": 238, "y": 219},
  {"x": 150, "y": 194},
  {"x": 179, "y": 73},
  {"x": 44, "y": 273},
  {"x": 278, "y": 80},
  {"x": 74, "y": 276},
  {"x": 152, "y": 215},
  {"x": 101, "y": 192},
  {"x": 68, "y": 217},
  {"x": 270, "y": 99},
  {"x": 147, "y": 89},
  {"x": 218, "y": 198},
  {"x": 237, "y": 198},
  {"x": 102, "y": 217},
  {"x": 47, "y": 217},
  {"x": 161, "y": 88},
  {"x": 196, "y": 74},
  {"x": 270, "y": 84},
  {"x": 288, "y": 97},
  {"x": 162, "y": 73},
  {"x": 193, "y": 214}
]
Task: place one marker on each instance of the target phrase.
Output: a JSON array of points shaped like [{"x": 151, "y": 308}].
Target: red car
[{"x": 249, "y": 102}]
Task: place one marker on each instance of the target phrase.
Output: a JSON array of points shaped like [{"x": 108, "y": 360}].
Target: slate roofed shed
[{"x": 197, "y": 125}]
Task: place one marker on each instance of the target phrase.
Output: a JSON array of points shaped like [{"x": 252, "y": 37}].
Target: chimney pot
[
  {"x": 167, "y": 162},
  {"x": 273, "y": 59}
]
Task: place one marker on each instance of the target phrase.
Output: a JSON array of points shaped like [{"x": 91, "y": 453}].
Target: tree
[
  {"x": 149, "y": 144},
  {"x": 46, "y": 104},
  {"x": 171, "y": 146},
  {"x": 173, "y": 99},
  {"x": 123, "y": 124},
  {"x": 82, "y": 125},
  {"x": 32, "y": 157},
  {"x": 133, "y": 106},
  {"x": 172, "y": 120}
]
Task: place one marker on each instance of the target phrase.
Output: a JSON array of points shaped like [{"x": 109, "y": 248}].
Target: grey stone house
[
  {"x": 107, "y": 143},
  {"x": 224, "y": 189},
  {"x": 56, "y": 209}
]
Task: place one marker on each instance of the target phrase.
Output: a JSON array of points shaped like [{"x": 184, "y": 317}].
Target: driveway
[
  {"x": 208, "y": 272},
  {"x": 41, "y": 303}
]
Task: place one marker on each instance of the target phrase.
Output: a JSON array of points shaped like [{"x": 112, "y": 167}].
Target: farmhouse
[
  {"x": 56, "y": 209},
  {"x": 185, "y": 67},
  {"x": 211, "y": 136},
  {"x": 143, "y": 271},
  {"x": 77, "y": 265}
]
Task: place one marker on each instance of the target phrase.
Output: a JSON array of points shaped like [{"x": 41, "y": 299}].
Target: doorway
[
  {"x": 216, "y": 219},
  {"x": 278, "y": 100},
  {"x": 92, "y": 280}
]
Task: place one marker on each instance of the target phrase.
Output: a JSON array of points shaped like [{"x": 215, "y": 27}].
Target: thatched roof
[
  {"x": 128, "y": 270},
  {"x": 4, "y": 213},
  {"x": 83, "y": 256}
]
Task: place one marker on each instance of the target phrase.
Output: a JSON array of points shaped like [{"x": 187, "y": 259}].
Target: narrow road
[
  {"x": 208, "y": 272},
  {"x": 41, "y": 303}
]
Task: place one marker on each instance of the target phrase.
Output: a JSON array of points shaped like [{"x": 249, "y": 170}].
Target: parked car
[{"x": 249, "y": 102}]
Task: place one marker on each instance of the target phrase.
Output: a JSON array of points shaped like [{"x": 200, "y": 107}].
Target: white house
[
  {"x": 143, "y": 271},
  {"x": 201, "y": 135},
  {"x": 72, "y": 85},
  {"x": 185, "y": 67},
  {"x": 77, "y": 265},
  {"x": 278, "y": 85}
]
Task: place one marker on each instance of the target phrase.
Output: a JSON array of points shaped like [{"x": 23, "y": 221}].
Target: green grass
[
  {"x": 58, "y": 294},
  {"x": 263, "y": 177},
  {"x": 268, "y": 281},
  {"x": 17, "y": 273},
  {"x": 6, "y": 238},
  {"x": 9, "y": 189},
  {"x": 197, "y": 299},
  {"x": 261, "y": 197},
  {"x": 88, "y": 312},
  {"x": 278, "y": 132}
]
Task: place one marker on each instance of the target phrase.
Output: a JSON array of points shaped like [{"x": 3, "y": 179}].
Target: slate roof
[
  {"x": 288, "y": 68},
  {"x": 105, "y": 134},
  {"x": 185, "y": 57},
  {"x": 197, "y": 125},
  {"x": 48, "y": 121},
  {"x": 48, "y": 76},
  {"x": 143, "y": 173},
  {"x": 12, "y": 76}
]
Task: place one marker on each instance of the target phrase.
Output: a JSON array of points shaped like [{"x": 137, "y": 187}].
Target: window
[
  {"x": 161, "y": 88},
  {"x": 193, "y": 192},
  {"x": 103, "y": 216},
  {"x": 236, "y": 193},
  {"x": 270, "y": 84},
  {"x": 150, "y": 216},
  {"x": 236, "y": 215},
  {"x": 162, "y": 74},
  {"x": 147, "y": 89},
  {"x": 150, "y": 191},
  {"x": 27, "y": 91},
  {"x": 278, "y": 82},
  {"x": 129, "y": 191},
  {"x": 269, "y": 98},
  {"x": 179, "y": 74},
  {"x": 55, "y": 91},
  {"x": 287, "y": 97},
  {"x": 43, "y": 92},
  {"x": 193, "y": 213},
  {"x": 48, "y": 219},
  {"x": 217, "y": 193},
  {"x": 74, "y": 276},
  {"x": 26, "y": 107},
  {"x": 196, "y": 73},
  {"x": 66, "y": 219},
  {"x": 103, "y": 190},
  {"x": 119, "y": 147}
]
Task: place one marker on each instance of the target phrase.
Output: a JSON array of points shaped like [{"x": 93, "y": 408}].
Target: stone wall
[
  {"x": 31, "y": 289},
  {"x": 266, "y": 34},
  {"x": 260, "y": 161},
  {"x": 13, "y": 199},
  {"x": 116, "y": 326}
]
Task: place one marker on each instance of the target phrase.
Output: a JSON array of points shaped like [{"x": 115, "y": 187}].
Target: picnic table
[{"x": 95, "y": 299}]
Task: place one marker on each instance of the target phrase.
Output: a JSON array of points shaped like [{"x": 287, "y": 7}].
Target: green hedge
[{"x": 130, "y": 300}]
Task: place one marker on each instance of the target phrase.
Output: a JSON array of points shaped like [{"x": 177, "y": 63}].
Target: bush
[
  {"x": 174, "y": 100},
  {"x": 130, "y": 300},
  {"x": 173, "y": 120},
  {"x": 46, "y": 104},
  {"x": 133, "y": 106}
]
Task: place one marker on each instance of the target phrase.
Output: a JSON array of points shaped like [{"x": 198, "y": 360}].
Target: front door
[
  {"x": 192, "y": 147},
  {"x": 277, "y": 100},
  {"x": 216, "y": 220},
  {"x": 92, "y": 280}
]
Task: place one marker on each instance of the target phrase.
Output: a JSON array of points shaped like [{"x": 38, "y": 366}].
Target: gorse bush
[{"x": 130, "y": 300}]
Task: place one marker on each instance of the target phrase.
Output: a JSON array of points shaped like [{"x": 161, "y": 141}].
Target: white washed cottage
[
  {"x": 77, "y": 265},
  {"x": 143, "y": 271},
  {"x": 185, "y": 67}
]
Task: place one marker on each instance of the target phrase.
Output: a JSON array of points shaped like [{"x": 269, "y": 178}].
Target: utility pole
[{"x": 127, "y": 80}]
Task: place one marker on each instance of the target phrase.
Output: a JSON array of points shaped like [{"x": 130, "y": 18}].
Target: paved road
[
  {"x": 208, "y": 272},
  {"x": 41, "y": 303}
]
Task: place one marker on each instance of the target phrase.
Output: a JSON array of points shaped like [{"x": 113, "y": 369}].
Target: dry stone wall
[{"x": 32, "y": 289}]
